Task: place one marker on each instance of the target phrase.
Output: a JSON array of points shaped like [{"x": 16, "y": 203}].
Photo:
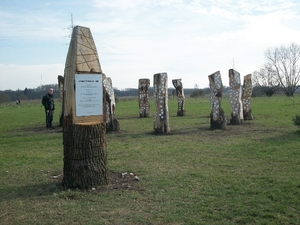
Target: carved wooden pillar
[
  {"x": 144, "y": 95},
  {"x": 61, "y": 96},
  {"x": 246, "y": 97},
  {"x": 84, "y": 131},
  {"x": 112, "y": 124},
  {"x": 180, "y": 95},
  {"x": 161, "y": 117},
  {"x": 235, "y": 97},
  {"x": 217, "y": 114}
]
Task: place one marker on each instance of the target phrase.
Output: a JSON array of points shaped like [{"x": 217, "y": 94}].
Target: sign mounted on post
[
  {"x": 84, "y": 129},
  {"x": 89, "y": 94}
]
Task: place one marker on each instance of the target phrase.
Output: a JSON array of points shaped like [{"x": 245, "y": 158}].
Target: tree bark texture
[
  {"x": 85, "y": 156},
  {"x": 246, "y": 97},
  {"x": 144, "y": 95},
  {"x": 217, "y": 115},
  {"x": 161, "y": 117},
  {"x": 220, "y": 123},
  {"x": 180, "y": 96},
  {"x": 112, "y": 124},
  {"x": 235, "y": 97}
]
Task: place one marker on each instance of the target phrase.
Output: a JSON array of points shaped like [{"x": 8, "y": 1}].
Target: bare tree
[
  {"x": 286, "y": 64},
  {"x": 266, "y": 79},
  {"x": 196, "y": 92}
]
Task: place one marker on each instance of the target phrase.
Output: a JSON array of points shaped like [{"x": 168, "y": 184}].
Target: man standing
[{"x": 48, "y": 103}]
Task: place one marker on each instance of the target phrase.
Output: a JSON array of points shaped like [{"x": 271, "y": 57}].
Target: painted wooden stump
[
  {"x": 180, "y": 96},
  {"x": 235, "y": 97},
  {"x": 217, "y": 114},
  {"x": 144, "y": 95},
  {"x": 112, "y": 124},
  {"x": 246, "y": 97},
  {"x": 161, "y": 117},
  {"x": 84, "y": 130}
]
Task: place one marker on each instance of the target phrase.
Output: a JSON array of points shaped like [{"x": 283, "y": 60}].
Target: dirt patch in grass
[
  {"x": 117, "y": 182},
  {"x": 55, "y": 129}
]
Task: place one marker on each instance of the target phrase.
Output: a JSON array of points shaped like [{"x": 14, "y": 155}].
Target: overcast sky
[{"x": 188, "y": 39}]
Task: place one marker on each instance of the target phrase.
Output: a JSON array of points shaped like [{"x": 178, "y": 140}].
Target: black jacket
[{"x": 48, "y": 102}]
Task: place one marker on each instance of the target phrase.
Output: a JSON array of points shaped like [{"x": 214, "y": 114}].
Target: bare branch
[{"x": 285, "y": 62}]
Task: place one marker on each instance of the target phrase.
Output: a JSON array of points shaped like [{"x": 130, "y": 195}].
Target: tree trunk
[
  {"x": 246, "y": 97},
  {"x": 84, "y": 130},
  {"x": 161, "y": 117},
  {"x": 112, "y": 124},
  {"x": 144, "y": 95},
  {"x": 220, "y": 123},
  {"x": 235, "y": 97},
  {"x": 217, "y": 115},
  {"x": 180, "y": 95},
  {"x": 85, "y": 156}
]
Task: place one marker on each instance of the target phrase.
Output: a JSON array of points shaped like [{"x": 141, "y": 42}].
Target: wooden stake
[
  {"x": 144, "y": 95},
  {"x": 235, "y": 97},
  {"x": 217, "y": 114},
  {"x": 161, "y": 117},
  {"x": 246, "y": 97},
  {"x": 180, "y": 96},
  {"x": 112, "y": 124}
]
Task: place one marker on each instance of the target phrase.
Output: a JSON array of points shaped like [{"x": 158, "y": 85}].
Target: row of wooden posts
[
  {"x": 161, "y": 116},
  {"x": 240, "y": 100},
  {"x": 88, "y": 113}
]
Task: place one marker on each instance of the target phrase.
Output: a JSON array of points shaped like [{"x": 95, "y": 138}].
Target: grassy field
[{"x": 246, "y": 174}]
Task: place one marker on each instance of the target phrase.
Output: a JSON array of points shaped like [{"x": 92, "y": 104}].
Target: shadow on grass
[
  {"x": 36, "y": 129},
  {"x": 29, "y": 191},
  {"x": 143, "y": 134},
  {"x": 283, "y": 138},
  {"x": 201, "y": 128},
  {"x": 131, "y": 117},
  {"x": 117, "y": 181}
]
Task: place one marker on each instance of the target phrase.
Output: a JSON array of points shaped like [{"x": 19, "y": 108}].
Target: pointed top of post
[{"x": 82, "y": 55}]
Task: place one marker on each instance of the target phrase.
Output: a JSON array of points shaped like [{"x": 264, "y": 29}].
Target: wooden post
[
  {"x": 180, "y": 95},
  {"x": 112, "y": 124},
  {"x": 61, "y": 96},
  {"x": 84, "y": 131},
  {"x": 246, "y": 97},
  {"x": 161, "y": 117},
  {"x": 217, "y": 114},
  {"x": 144, "y": 95},
  {"x": 235, "y": 97}
]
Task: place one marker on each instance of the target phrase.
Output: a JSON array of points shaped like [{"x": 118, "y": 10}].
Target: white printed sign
[{"x": 89, "y": 94}]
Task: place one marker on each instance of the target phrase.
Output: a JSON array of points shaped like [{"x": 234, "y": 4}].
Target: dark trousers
[{"x": 49, "y": 118}]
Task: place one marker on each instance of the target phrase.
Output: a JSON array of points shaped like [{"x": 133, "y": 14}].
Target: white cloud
[
  {"x": 31, "y": 76},
  {"x": 122, "y": 4},
  {"x": 187, "y": 39}
]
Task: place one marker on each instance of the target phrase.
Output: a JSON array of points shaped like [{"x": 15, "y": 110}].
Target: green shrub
[{"x": 296, "y": 120}]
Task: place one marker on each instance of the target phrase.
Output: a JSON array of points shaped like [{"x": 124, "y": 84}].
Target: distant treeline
[
  {"x": 27, "y": 93},
  {"x": 39, "y": 92},
  {"x": 171, "y": 91}
]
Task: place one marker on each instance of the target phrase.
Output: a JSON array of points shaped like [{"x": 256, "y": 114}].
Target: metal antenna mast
[
  {"x": 72, "y": 25},
  {"x": 70, "y": 28}
]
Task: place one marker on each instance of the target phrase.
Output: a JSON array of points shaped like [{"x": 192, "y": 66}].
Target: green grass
[{"x": 246, "y": 174}]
